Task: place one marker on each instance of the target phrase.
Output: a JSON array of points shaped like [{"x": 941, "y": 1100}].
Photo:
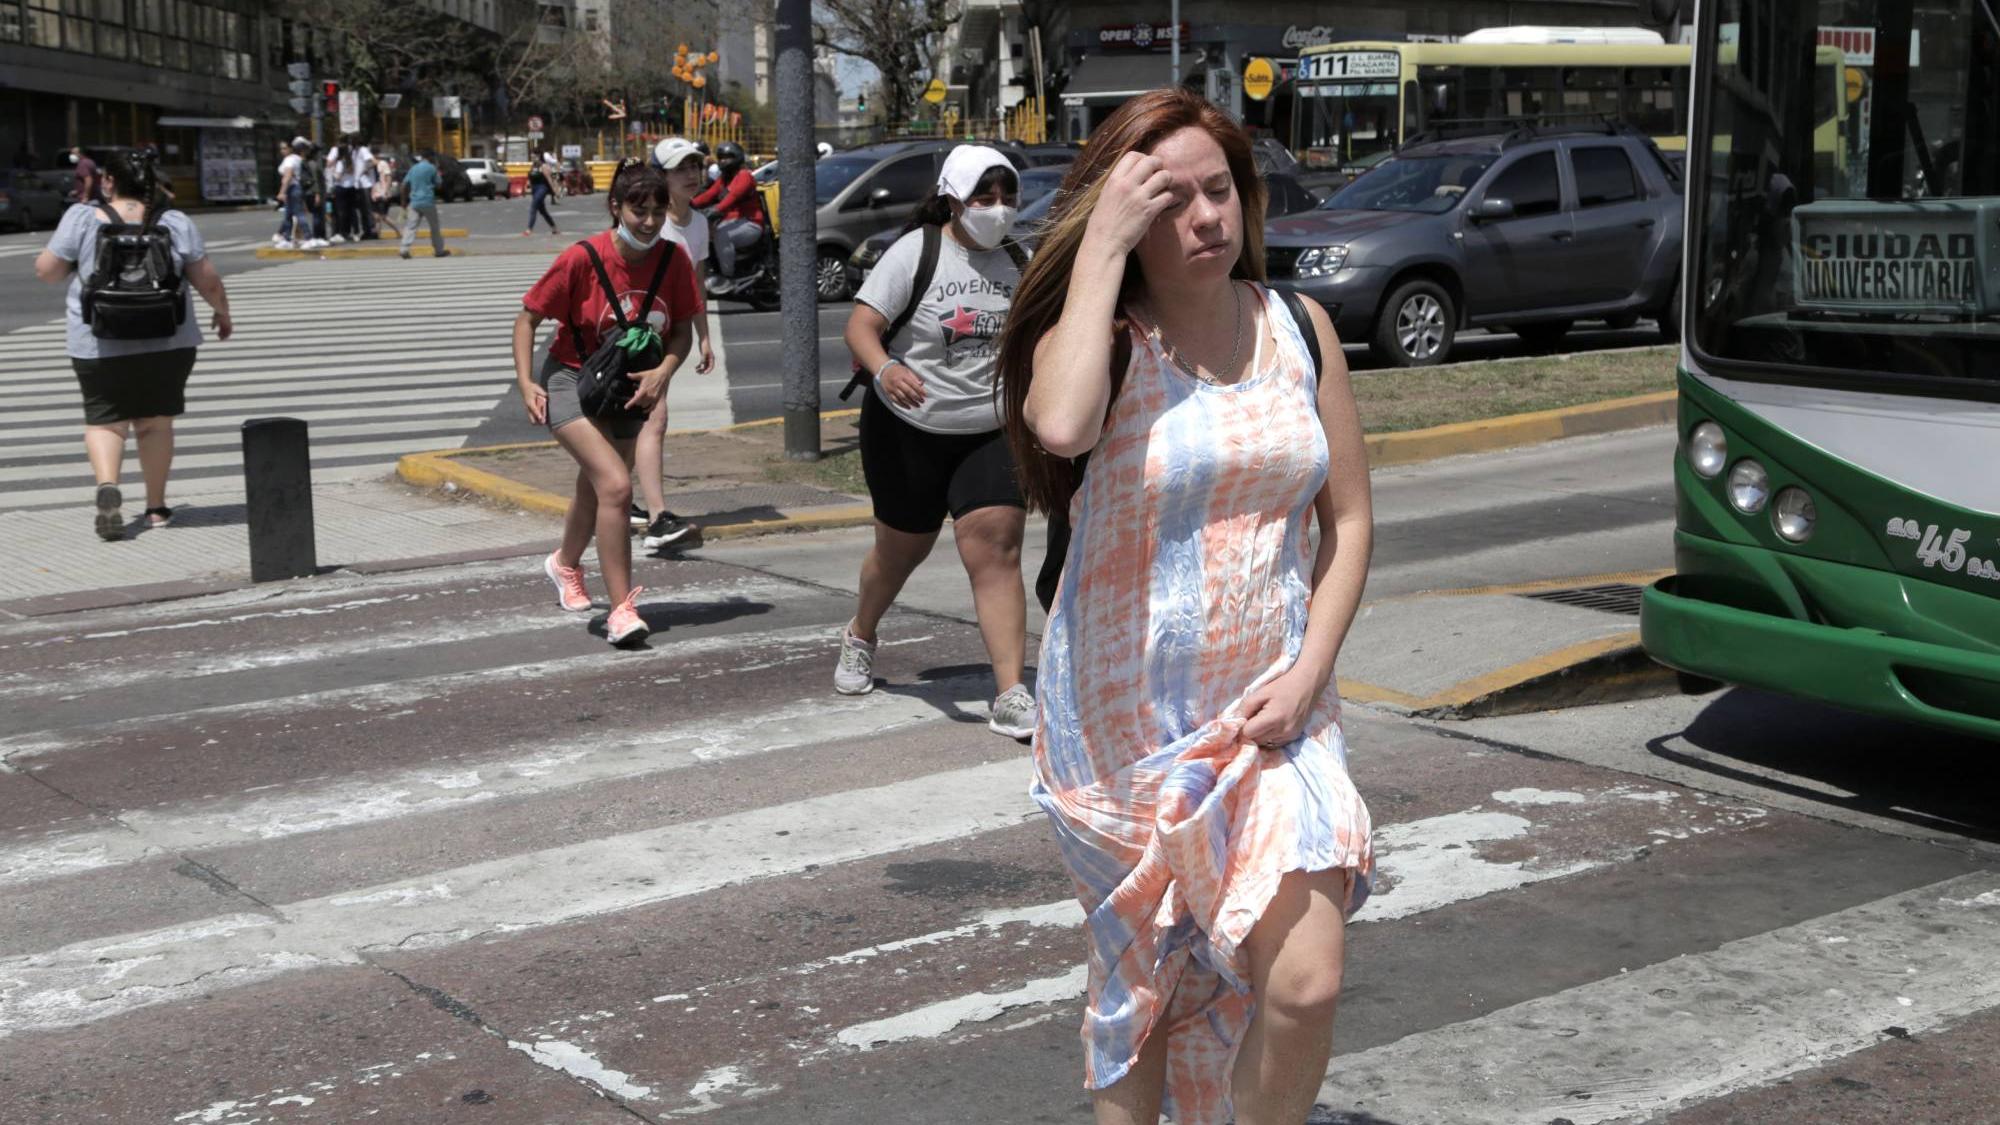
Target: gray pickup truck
[{"x": 1528, "y": 230}]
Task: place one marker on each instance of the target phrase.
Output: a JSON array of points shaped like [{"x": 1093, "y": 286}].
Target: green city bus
[{"x": 1837, "y": 479}]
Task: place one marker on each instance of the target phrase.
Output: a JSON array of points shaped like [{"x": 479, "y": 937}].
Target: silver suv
[{"x": 1529, "y": 230}]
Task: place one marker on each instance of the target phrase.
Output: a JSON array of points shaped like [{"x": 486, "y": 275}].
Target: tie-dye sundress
[{"x": 1185, "y": 588}]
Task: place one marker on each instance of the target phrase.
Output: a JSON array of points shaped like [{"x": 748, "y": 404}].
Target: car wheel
[
  {"x": 831, "y": 275},
  {"x": 1543, "y": 337},
  {"x": 1416, "y": 325},
  {"x": 1621, "y": 322},
  {"x": 1670, "y": 316}
]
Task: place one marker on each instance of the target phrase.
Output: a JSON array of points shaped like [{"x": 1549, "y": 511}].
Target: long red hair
[{"x": 1141, "y": 123}]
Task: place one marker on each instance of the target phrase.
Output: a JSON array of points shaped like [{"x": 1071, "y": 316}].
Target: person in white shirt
[
  {"x": 682, "y": 162},
  {"x": 342, "y": 178},
  {"x": 292, "y": 198},
  {"x": 364, "y": 180}
]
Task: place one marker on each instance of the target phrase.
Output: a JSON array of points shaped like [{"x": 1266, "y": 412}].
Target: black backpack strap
[
  {"x": 919, "y": 281},
  {"x": 1296, "y": 302},
  {"x": 604, "y": 279},
  {"x": 1017, "y": 252}
]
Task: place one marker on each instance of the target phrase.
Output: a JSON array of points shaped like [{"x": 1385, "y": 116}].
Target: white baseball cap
[
  {"x": 964, "y": 167},
  {"x": 671, "y": 151}
]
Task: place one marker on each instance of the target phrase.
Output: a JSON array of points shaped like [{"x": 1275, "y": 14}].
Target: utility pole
[
  {"x": 798, "y": 288},
  {"x": 1174, "y": 31}
]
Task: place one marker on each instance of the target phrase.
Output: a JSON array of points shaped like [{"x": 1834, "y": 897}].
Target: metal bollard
[{"x": 277, "y": 485}]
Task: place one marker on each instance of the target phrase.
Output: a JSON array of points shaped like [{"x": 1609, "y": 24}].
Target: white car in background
[{"x": 486, "y": 176}]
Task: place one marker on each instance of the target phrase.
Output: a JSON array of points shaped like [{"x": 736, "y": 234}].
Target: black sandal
[{"x": 159, "y": 517}]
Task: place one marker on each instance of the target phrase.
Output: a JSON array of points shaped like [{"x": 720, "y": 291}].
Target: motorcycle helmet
[{"x": 729, "y": 154}]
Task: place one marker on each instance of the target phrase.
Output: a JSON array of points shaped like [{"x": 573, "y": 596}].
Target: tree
[
  {"x": 394, "y": 45},
  {"x": 899, "y": 37}
]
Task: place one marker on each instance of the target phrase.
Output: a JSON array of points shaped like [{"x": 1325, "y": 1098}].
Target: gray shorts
[{"x": 560, "y": 382}]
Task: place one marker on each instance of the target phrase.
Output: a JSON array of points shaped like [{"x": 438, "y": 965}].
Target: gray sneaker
[
  {"x": 856, "y": 673},
  {"x": 1015, "y": 713}
]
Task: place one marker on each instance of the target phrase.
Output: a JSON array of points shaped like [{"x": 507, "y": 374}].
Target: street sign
[
  {"x": 300, "y": 105},
  {"x": 445, "y": 106},
  {"x": 935, "y": 92},
  {"x": 299, "y": 70},
  {"x": 1258, "y": 78},
  {"x": 1854, "y": 84},
  {"x": 389, "y": 101},
  {"x": 638, "y": 127},
  {"x": 535, "y": 124},
  {"x": 572, "y": 152},
  {"x": 614, "y": 110},
  {"x": 301, "y": 86},
  {"x": 350, "y": 111}
]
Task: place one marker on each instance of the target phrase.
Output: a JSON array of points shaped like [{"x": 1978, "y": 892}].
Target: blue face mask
[{"x": 632, "y": 240}]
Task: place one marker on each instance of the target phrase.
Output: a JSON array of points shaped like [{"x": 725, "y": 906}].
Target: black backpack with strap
[
  {"x": 136, "y": 290},
  {"x": 1049, "y": 578},
  {"x": 920, "y": 281},
  {"x": 604, "y": 385}
]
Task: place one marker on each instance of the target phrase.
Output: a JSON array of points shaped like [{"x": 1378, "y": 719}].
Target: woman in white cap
[{"x": 926, "y": 330}]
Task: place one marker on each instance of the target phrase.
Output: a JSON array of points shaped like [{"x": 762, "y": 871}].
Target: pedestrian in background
[
  {"x": 542, "y": 176},
  {"x": 131, "y": 385},
  {"x": 364, "y": 199},
  {"x": 384, "y": 193},
  {"x": 739, "y": 207},
  {"x": 344, "y": 176},
  {"x": 1190, "y": 757},
  {"x": 652, "y": 284},
  {"x": 931, "y": 439},
  {"x": 85, "y": 185},
  {"x": 680, "y": 162},
  {"x": 294, "y": 227},
  {"x": 313, "y": 171},
  {"x": 420, "y": 198}
]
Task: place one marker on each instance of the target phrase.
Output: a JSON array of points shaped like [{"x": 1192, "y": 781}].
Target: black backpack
[
  {"x": 136, "y": 291},
  {"x": 604, "y": 386},
  {"x": 1049, "y": 578},
  {"x": 921, "y": 280}
]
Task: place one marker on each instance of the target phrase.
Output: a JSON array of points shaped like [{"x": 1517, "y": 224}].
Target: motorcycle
[{"x": 756, "y": 278}]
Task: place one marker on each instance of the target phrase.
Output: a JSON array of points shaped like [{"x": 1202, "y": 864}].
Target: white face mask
[
  {"x": 632, "y": 240},
  {"x": 987, "y": 226}
]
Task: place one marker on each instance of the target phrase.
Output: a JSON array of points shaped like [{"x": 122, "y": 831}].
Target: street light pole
[
  {"x": 798, "y": 288},
  {"x": 1174, "y": 31}
]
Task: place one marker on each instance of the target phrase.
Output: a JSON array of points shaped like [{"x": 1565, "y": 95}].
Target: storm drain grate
[{"x": 1616, "y": 597}]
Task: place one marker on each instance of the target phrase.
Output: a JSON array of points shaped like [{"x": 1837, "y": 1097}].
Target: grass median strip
[{"x": 1391, "y": 401}]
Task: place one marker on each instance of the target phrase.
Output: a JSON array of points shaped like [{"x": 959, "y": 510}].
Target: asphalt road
[{"x": 417, "y": 847}]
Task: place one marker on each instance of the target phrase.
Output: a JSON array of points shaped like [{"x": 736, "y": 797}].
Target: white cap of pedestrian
[
  {"x": 670, "y": 152},
  {"x": 964, "y": 167},
  {"x": 300, "y": 142}
]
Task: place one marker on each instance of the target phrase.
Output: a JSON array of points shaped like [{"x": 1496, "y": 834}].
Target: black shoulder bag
[
  {"x": 1049, "y": 578},
  {"x": 604, "y": 385}
]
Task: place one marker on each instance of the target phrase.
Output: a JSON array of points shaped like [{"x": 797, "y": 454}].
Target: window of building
[
  {"x": 43, "y": 24},
  {"x": 111, "y": 40},
  {"x": 76, "y": 26}
]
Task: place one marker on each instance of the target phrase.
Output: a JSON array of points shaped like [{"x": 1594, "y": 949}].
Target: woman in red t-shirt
[{"x": 571, "y": 294}]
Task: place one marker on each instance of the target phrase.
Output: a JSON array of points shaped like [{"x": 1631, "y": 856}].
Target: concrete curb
[
  {"x": 441, "y": 469},
  {"x": 1608, "y": 669},
  {"x": 1514, "y": 430}
]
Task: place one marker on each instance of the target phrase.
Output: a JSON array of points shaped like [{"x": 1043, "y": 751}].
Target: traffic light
[
  {"x": 861, "y": 102},
  {"x": 332, "y": 91}
]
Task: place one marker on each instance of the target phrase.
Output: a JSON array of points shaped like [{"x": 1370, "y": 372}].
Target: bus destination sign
[
  {"x": 1924, "y": 256},
  {"x": 1351, "y": 64}
]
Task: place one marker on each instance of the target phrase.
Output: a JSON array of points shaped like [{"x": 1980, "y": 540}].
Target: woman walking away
[
  {"x": 345, "y": 181},
  {"x": 384, "y": 192},
  {"x": 132, "y": 328},
  {"x": 541, "y": 185},
  {"x": 1190, "y": 756},
  {"x": 680, "y": 162},
  {"x": 634, "y": 289},
  {"x": 926, "y": 326}
]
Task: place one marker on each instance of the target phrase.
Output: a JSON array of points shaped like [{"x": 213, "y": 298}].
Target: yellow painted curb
[
  {"x": 1625, "y": 577},
  {"x": 1549, "y": 680},
  {"x": 1509, "y": 431},
  {"x": 386, "y": 248}
]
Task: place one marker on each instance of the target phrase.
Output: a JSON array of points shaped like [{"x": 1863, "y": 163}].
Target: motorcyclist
[{"x": 738, "y": 214}]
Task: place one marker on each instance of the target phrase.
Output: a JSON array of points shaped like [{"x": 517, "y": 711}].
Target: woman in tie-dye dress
[{"x": 1190, "y": 756}]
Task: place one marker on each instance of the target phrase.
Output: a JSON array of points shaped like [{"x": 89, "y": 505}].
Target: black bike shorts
[{"x": 917, "y": 477}]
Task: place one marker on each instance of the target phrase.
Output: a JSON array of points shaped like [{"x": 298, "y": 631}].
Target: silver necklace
[{"x": 1173, "y": 353}]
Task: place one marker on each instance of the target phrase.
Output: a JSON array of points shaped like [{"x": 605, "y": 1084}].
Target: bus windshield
[
  {"x": 1348, "y": 121},
  {"x": 1879, "y": 269},
  {"x": 1428, "y": 184}
]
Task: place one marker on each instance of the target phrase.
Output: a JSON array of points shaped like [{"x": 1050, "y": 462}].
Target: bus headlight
[
  {"x": 1708, "y": 449},
  {"x": 1793, "y": 514},
  {"x": 1321, "y": 261},
  {"x": 1749, "y": 487}
]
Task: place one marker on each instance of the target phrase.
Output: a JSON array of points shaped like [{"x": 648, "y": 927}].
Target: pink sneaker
[
  {"x": 569, "y": 585},
  {"x": 625, "y": 624}
]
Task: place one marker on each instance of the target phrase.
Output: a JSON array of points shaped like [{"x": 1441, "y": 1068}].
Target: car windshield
[
  {"x": 1856, "y": 252},
  {"x": 1428, "y": 184},
  {"x": 1039, "y": 182},
  {"x": 832, "y": 175}
]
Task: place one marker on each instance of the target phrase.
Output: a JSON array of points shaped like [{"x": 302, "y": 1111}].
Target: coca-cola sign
[{"x": 1317, "y": 36}]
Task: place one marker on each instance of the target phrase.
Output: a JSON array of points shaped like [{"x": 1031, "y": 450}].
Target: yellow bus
[{"x": 1357, "y": 102}]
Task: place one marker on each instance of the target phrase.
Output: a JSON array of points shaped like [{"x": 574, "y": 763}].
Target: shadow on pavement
[{"x": 1933, "y": 779}]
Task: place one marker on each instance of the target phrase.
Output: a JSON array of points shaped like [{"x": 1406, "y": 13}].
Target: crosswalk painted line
[
  {"x": 690, "y": 879},
  {"x": 394, "y": 359}
]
